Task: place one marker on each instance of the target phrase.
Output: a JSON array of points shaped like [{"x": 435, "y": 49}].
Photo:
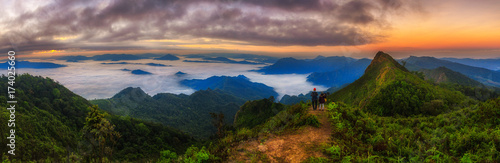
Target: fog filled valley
[
  {"x": 233, "y": 81},
  {"x": 220, "y": 109}
]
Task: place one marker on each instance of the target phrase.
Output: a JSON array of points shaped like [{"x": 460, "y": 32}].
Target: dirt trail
[{"x": 291, "y": 147}]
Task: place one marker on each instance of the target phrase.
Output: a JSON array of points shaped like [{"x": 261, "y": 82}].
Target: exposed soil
[{"x": 291, "y": 147}]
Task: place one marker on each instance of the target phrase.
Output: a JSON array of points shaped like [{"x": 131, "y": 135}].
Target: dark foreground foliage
[{"x": 469, "y": 134}]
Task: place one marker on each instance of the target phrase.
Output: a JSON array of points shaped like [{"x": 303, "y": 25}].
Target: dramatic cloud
[{"x": 93, "y": 24}]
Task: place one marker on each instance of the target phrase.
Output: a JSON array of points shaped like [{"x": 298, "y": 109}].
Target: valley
[{"x": 388, "y": 114}]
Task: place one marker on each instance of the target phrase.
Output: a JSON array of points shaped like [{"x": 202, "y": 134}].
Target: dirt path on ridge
[{"x": 291, "y": 147}]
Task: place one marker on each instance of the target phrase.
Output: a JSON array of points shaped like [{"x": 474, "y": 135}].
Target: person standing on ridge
[
  {"x": 322, "y": 100},
  {"x": 314, "y": 99}
]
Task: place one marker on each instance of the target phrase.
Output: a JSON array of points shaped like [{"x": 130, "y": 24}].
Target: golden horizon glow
[
  {"x": 47, "y": 51},
  {"x": 458, "y": 27}
]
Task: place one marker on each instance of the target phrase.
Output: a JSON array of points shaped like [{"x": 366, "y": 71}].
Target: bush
[
  {"x": 468, "y": 134},
  {"x": 312, "y": 120},
  {"x": 195, "y": 155},
  {"x": 167, "y": 156},
  {"x": 316, "y": 160},
  {"x": 335, "y": 151},
  {"x": 244, "y": 134}
]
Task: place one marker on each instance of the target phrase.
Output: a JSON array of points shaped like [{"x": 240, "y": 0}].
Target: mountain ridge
[
  {"x": 341, "y": 76},
  {"x": 485, "y": 76},
  {"x": 388, "y": 88},
  {"x": 239, "y": 86},
  {"x": 291, "y": 65},
  {"x": 445, "y": 75},
  {"x": 188, "y": 113},
  {"x": 490, "y": 63}
]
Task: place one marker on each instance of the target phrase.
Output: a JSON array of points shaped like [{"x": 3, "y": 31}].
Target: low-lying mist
[{"x": 94, "y": 80}]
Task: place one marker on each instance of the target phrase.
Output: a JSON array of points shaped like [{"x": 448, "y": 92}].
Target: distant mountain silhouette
[
  {"x": 221, "y": 60},
  {"x": 485, "y": 76},
  {"x": 74, "y": 58},
  {"x": 157, "y": 64},
  {"x": 197, "y": 61},
  {"x": 445, "y": 75},
  {"x": 168, "y": 57},
  {"x": 116, "y": 57},
  {"x": 239, "y": 86},
  {"x": 250, "y": 57},
  {"x": 137, "y": 72},
  {"x": 125, "y": 63},
  {"x": 180, "y": 74},
  {"x": 491, "y": 64},
  {"x": 342, "y": 76},
  {"x": 34, "y": 65},
  {"x": 103, "y": 57},
  {"x": 296, "y": 66},
  {"x": 115, "y": 63},
  {"x": 295, "y": 99}
]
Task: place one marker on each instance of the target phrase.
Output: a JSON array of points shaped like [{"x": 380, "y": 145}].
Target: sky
[{"x": 301, "y": 28}]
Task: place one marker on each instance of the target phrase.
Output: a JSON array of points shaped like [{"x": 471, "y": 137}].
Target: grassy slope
[
  {"x": 386, "y": 84},
  {"x": 381, "y": 70}
]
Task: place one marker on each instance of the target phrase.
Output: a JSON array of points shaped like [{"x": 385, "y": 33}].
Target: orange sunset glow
[{"x": 357, "y": 28}]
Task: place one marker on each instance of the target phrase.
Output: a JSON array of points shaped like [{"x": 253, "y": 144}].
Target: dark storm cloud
[
  {"x": 256, "y": 22},
  {"x": 299, "y": 5},
  {"x": 357, "y": 12}
]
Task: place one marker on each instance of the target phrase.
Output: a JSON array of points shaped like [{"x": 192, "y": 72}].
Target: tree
[
  {"x": 99, "y": 132},
  {"x": 218, "y": 122}
]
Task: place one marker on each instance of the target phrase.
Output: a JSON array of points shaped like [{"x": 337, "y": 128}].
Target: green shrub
[
  {"x": 468, "y": 134},
  {"x": 312, "y": 120},
  {"x": 335, "y": 151},
  {"x": 195, "y": 155},
  {"x": 316, "y": 160},
  {"x": 167, "y": 156},
  {"x": 244, "y": 134}
]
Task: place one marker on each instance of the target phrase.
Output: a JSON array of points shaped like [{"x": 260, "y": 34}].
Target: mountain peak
[
  {"x": 386, "y": 83},
  {"x": 382, "y": 56},
  {"x": 382, "y": 60},
  {"x": 319, "y": 57},
  {"x": 130, "y": 92}
]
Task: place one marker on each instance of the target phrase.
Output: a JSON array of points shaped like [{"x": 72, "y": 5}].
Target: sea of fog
[{"x": 94, "y": 80}]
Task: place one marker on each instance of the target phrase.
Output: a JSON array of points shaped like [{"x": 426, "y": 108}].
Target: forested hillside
[
  {"x": 50, "y": 121},
  {"x": 445, "y": 75},
  {"x": 253, "y": 113},
  {"x": 456, "y": 81},
  {"x": 188, "y": 113}
]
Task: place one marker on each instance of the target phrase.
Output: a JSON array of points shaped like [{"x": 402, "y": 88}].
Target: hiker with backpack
[{"x": 314, "y": 99}]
